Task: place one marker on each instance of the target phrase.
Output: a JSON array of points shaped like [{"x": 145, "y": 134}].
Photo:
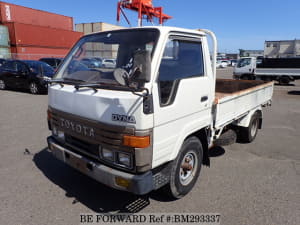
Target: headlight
[
  {"x": 57, "y": 133},
  {"x": 115, "y": 157},
  {"x": 54, "y": 131},
  {"x": 107, "y": 154},
  {"x": 61, "y": 135},
  {"x": 124, "y": 159}
]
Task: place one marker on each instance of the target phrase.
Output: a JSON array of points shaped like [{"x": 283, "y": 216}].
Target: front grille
[
  {"x": 85, "y": 136},
  {"x": 90, "y": 131},
  {"x": 88, "y": 148}
]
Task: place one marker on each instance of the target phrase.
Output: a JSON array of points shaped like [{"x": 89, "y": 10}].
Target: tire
[
  {"x": 284, "y": 80},
  {"x": 182, "y": 180},
  {"x": 248, "y": 134},
  {"x": 246, "y": 77},
  {"x": 34, "y": 88},
  {"x": 2, "y": 85},
  {"x": 266, "y": 79}
]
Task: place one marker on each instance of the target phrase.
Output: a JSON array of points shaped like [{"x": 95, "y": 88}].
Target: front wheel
[
  {"x": 186, "y": 168},
  {"x": 284, "y": 80},
  {"x": 34, "y": 88}
]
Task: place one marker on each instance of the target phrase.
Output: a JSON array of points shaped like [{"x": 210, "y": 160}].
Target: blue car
[{"x": 26, "y": 74}]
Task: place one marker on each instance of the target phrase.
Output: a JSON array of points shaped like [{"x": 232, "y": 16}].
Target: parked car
[
  {"x": 233, "y": 62},
  {"x": 92, "y": 62},
  {"x": 109, "y": 63},
  {"x": 2, "y": 61},
  {"x": 27, "y": 74},
  {"x": 225, "y": 63},
  {"x": 54, "y": 62},
  {"x": 222, "y": 64}
]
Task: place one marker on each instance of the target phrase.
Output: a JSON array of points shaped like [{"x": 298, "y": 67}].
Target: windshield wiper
[
  {"x": 64, "y": 81},
  {"x": 94, "y": 86}
]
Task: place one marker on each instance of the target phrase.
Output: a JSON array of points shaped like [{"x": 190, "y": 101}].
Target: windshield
[
  {"x": 244, "y": 62},
  {"x": 95, "y": 57}
]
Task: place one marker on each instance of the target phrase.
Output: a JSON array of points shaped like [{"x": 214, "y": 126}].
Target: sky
[{"x": 238, "y": 24}]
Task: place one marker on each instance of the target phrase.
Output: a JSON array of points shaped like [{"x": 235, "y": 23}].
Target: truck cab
[
  {"x": 245, "y": 68},
  {"x": 283, "y": 70}
]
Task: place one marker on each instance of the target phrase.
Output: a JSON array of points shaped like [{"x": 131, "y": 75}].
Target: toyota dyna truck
[
  {"x": 282, "y": 70},
  {"x": 149, "y": 122}
]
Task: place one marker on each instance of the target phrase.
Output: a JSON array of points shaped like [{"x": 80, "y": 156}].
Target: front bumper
[{"x": 137, "y": 184}]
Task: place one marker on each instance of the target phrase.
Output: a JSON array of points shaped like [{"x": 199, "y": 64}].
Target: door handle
[{"x": 204, "y": 98}]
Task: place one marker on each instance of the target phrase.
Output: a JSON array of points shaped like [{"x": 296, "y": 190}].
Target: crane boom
[{"x": 144, "y": 8}]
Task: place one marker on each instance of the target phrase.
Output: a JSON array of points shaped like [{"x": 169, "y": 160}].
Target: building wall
[
  {"x": 251, "y": 53},
  {"x": 88, "y": 28},
  {"x": 97, "y": 50},
  {"x": 282, "y": 49},
  {"x": 297, "y": 48}
]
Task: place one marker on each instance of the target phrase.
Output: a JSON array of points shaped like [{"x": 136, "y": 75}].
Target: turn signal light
[
  {"x": 49, "y": 115},
  {"x": 136, "y": 141},
  {"x": 122, "y": 182}
]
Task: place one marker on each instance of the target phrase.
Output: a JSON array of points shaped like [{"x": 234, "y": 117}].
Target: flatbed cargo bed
[
  {"x": 235, "y": 98},
  {"x": 295, "y": 72}
]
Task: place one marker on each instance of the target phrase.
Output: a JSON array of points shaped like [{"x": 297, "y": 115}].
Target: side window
[
  {"x": 10, "y": 65},
  {"x": 181, "y": 60},
  {"x": 49, "y": 62},
  {"x": 21, "y": 67}
]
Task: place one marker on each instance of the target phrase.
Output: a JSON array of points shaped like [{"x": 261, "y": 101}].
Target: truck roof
[{"x": 164, "y": 29}]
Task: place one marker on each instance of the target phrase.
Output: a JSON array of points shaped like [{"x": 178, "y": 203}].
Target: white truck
[
  {"x": 283, "y": 70},
  {"x": 150, "y": 122}
]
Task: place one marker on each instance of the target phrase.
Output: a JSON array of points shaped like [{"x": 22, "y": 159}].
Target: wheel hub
[
  {"x": 254, "y": 127},
  {"x": 187, "y": 168},
  {"x": 33, "y": 88}
]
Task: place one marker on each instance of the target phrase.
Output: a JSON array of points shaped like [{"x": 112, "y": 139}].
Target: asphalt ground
[{"x": 257, "y": 183}]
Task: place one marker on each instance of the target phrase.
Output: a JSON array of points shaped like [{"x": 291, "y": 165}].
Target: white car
[
  {"x": 109, "y": 63},
  {"x": 222, "y": 64},
  {"x": 233, "y": 62}
]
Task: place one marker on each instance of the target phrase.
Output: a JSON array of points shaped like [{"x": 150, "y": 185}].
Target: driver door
[
  {"x": 21, "y": 77},
  {"x": 184, "y": 90}
]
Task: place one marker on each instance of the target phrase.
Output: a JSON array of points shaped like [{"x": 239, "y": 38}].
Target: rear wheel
[
  {"x": 248, "y": 134},
  {"x": 244, "y": 77},
  {"x": 284, "y": 80},
  {"x": 34, "y": 88},
  {"x": 266, "y": 78},
  {"x": 186, "y": 168},
  {"x": 247, "y": 77},
  {"x": 2, "y": 85}
]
